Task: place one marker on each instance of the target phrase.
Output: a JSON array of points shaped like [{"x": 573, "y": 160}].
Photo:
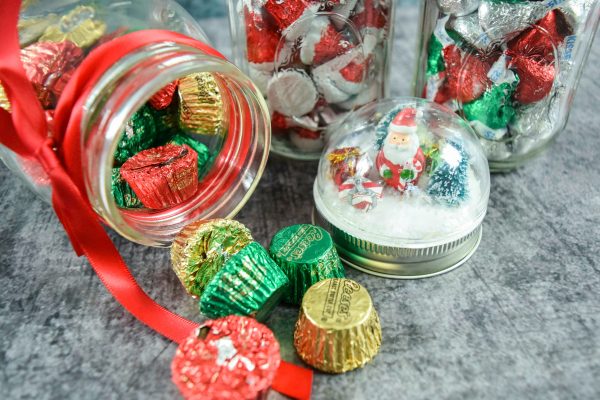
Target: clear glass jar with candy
[
  {"x": 157, "y": 128},
  {"x": 510, "y": 67},
  {"x": 314, "y": 60}
]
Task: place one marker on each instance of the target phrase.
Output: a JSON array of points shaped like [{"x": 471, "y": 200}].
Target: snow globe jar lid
[{"x": 403, "y": 187}]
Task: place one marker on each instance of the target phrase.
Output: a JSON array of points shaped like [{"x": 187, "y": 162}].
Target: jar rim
[{"x": 233, "y": 176}]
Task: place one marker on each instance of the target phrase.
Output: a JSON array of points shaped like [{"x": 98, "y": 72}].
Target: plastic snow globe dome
[{"x": 403, "y": 187}]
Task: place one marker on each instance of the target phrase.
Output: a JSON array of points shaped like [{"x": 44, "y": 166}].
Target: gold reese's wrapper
[
  {"x": 201, "y": 249},
  {"x": 338, "y": 329},
  {"x": 79, "y": 26},
  {"x": 201, "y": 107}
]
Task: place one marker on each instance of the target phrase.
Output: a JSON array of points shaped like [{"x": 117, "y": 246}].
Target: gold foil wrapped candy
[
  {"x": 201, "y": 104},
  {"x": 338, "y": 329},
  {"x": 78, "y": 26},
  {"x": 4, "y": 103},
  {"x": 201, "y": 249}
]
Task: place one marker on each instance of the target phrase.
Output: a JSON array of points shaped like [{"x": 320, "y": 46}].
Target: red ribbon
[{"x": 25, "y": 132}]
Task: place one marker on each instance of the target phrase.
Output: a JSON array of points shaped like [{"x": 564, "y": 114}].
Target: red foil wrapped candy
[
  {"x": 49, "y": 66},
  {"x": 536, "y": 78},
  {"x": 466, "y": 76},
  {"x": 164, "y": 97},
  {"x": 286, "y": 13},
  {"x": 229, "y": 358},
  {"x": 262, "y": 38},
  {"x": 373, "y": 15},
  {"x": 541, "y": 39},
  {"x": 322, "y": 43},
  {"x": 163, "y": 176},
  {"x": 343, "y": 163}
]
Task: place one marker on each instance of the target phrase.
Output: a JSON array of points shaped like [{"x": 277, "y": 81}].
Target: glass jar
[
  {"x": 314, "y": 60},
  {"x": 403, "y": 187},
  {"x": 170, "y": 133},
  {"x": 510, "y": 67}
]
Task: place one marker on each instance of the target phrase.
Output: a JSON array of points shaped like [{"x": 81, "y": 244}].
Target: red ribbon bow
[{"x": 25, "y": 132}]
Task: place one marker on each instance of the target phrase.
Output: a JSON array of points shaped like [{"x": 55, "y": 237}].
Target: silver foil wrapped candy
[
  {"x": 458, "y": 7},
  {"x": 506, "y": 20}
]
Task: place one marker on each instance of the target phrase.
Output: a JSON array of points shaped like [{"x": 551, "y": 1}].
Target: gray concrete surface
[{"x": 520, "y": 320}]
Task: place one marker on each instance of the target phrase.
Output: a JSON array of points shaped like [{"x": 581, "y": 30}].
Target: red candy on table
[
  {"x": 163, "y": 176},
  {"x": 164, "y": 97},
  {"x": 229, "y": 358}
]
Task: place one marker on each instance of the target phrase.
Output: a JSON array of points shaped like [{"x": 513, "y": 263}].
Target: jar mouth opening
[{"x": 226, "y": 120}]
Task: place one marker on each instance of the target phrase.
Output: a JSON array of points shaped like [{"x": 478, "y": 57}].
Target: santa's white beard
[{"x": 400, "y": 153}]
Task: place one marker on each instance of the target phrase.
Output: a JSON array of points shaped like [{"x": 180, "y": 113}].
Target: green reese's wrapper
[
  {"x": 140, "y": 134},
  {"x": 307, "y": 255},
  {"x": 249, "y": 283},
  {"x": 124, "y": 195}
]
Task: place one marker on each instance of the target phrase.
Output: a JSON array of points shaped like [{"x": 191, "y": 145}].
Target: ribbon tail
[
  {"x": 90, "y": 238},
  {"x": 293, "y": 381}
]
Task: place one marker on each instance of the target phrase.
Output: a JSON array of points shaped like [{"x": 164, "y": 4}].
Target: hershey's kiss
[
  {"x": 458, "y": 7},
  {"x": 469, "y": 30},
  {"x": 505, "y": 20}
]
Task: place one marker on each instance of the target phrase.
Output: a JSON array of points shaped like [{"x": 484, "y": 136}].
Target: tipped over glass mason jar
[
  {"x": 170, "y": 133},
  {"x": 314, "y": 60},
  {"x": 510, "y": 67}
]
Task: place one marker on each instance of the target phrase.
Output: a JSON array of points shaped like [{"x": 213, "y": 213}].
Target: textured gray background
[{"x": 521, "y": 319}]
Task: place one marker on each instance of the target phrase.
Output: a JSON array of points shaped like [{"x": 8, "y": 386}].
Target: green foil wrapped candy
[
  {"x": 435, "y": 60},
  {"x": 140, "y": 134},
  {"x": 494, "y": 108},
  {"x": 202, "y": 248},
  {"x": 249, "y": 283},
  {"x": 124, "y": 195},
  {"x": 307, "y": 255},
  {"x": 204, "y": 156}
]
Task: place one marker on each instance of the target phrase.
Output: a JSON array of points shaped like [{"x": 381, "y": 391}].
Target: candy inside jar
[
  {"x": 403, "y": 186},
  {"x": 155, "y": 126},
  {"x": 314, "y": 61},
  {"x": 509, "y": 67}
]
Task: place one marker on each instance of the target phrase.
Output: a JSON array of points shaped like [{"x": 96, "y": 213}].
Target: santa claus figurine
[{"x": 400, "y": 161}]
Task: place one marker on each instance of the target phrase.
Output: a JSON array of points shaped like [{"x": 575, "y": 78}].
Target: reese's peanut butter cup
[
  {"x": 164, "y": 176},
  {"x": 249, "y": 283},
  {"x": 78, "y": 26},
  {"x": 307, "y": 255},
  {"x": 201, "y": 104},
  {"x": 338, "y": 329},
  {"x": 201, "y": 249}
]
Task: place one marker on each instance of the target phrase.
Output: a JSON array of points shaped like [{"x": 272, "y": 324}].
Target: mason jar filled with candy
[
  {"x": 314, "y": 61},
  {"x": 510, "y": 67},
  {"x": 151, "y": 123}
]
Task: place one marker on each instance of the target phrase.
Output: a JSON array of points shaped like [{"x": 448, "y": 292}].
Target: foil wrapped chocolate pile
[{"x": 504, "y": 65}]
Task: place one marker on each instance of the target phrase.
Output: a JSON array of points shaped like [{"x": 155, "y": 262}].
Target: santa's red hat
[{"x": 405, "y": 121}]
